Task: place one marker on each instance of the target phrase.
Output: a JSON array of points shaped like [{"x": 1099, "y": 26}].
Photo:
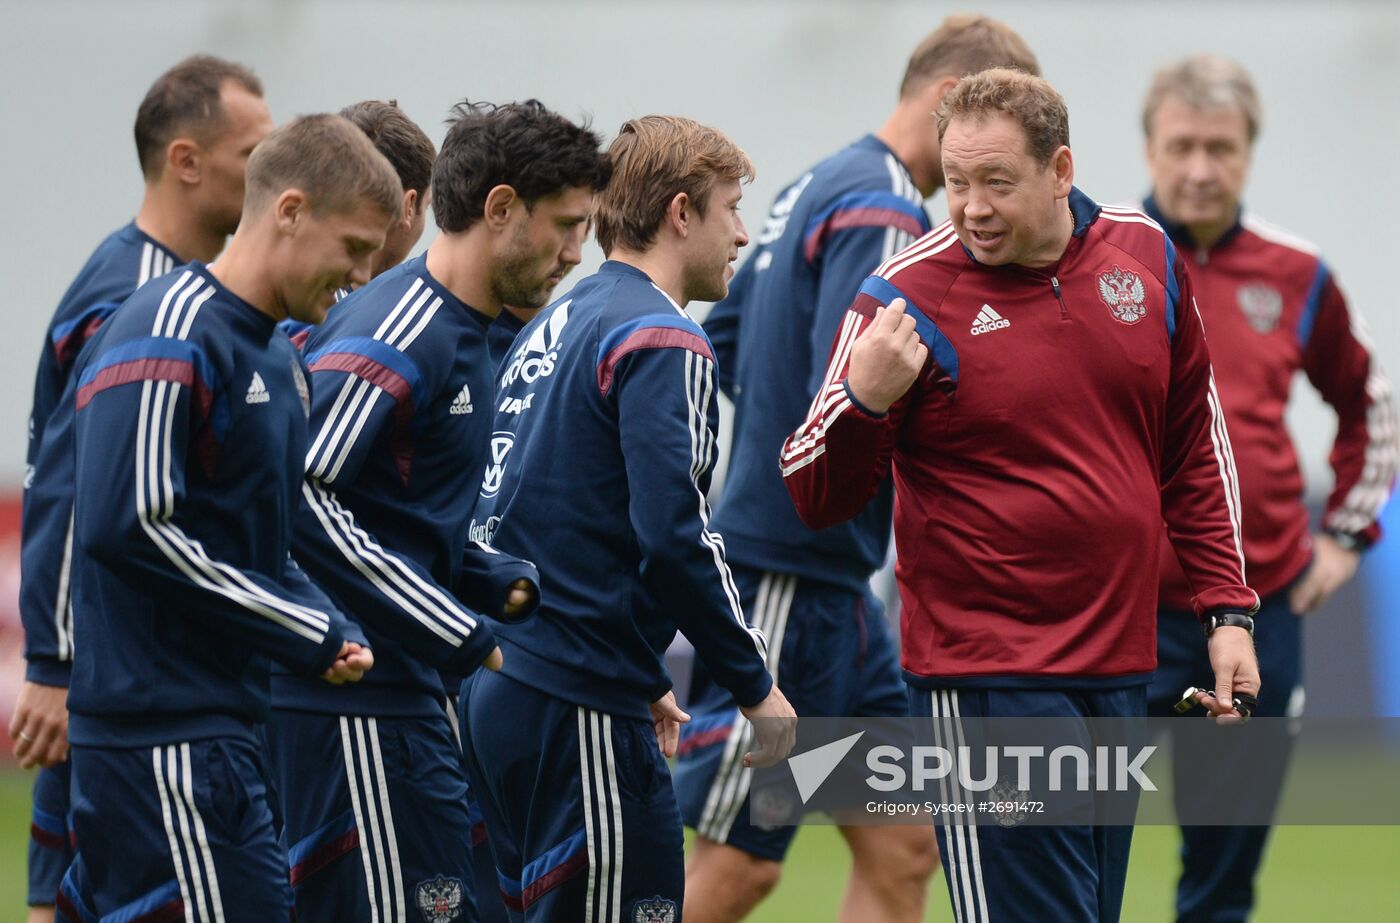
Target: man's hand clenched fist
[{"x": 885, "y": 359}]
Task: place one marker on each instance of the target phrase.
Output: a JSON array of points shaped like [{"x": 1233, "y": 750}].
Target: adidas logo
[
  {"x": 257, "y": 391},
  {"x": 462, "y": 404},
  {"x": 537, "y": 357},
  {"x": 988, "y": 320}
]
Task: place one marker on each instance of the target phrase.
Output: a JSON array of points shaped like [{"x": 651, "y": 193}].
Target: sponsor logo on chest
[
  {"x": 501, "y": 443},
  {"x": 516, "y": 405},
  {"x": 777, "y": 221},
  {"x": 536, "y": 358},
  {"x": 483, "y": 531}
]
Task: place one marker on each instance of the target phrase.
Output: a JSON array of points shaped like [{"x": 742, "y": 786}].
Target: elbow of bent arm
[
  {"x": 818, "y": 508},
  {"x": 106, "y": 539}
]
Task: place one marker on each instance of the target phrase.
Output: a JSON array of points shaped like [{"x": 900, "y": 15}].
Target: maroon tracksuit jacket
[{"x": 1063, "y": 415}]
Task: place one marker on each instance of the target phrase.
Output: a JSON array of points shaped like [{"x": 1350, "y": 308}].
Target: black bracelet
[
  {"x": 1221, "y": 619},
  {"x": 1349, "y": 541}
]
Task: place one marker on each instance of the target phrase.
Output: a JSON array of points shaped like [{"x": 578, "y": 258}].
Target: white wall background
[{"x": 790, "y": 80}]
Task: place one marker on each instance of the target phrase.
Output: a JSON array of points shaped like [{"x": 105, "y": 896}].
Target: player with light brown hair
[
  {"x": 604, "y": 438},
  {"x": 811, "y": 592}
]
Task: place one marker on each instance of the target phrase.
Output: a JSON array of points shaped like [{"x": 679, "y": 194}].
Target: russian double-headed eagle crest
[
  {"x": 1262, "y": 306},
  {"x": 1122, "y": 290},
  {"x": 440, "y": 899},
  {"x": 303, "y": 391},
  {"x": 656, "y": 910}
]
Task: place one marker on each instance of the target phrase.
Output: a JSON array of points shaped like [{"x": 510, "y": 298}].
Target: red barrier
[{"x": 11, "y": 632}]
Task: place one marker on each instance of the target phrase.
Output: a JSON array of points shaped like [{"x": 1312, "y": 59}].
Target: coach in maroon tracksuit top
[
  {"x": 1035, "y": 376},
  {"x": 1272, "y": 305}
]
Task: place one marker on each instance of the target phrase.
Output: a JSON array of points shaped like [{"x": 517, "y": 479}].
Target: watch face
[{"x": 1235, "y": 619}]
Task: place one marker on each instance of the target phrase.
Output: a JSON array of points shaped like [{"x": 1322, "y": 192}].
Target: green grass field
[{"x": 1312, "y": 873}]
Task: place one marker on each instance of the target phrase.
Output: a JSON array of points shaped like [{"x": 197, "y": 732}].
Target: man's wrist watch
[
  {"x": 1349, "y": 541},
  {"x": 1221, "y": 619}
]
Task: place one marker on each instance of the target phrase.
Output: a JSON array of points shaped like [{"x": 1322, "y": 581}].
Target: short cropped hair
[
  {"x": 398, "y": 138},
  {"x": 653, "y": 159},
  {"x": 185, "y": 99},
  {"x": 330, "y": 160},
  {"x": 522, "y": 145},
  {"x": 1030, "y": 101},
  {"x": 966, "y": 43},
  {"x": 1204, "y": 81}
]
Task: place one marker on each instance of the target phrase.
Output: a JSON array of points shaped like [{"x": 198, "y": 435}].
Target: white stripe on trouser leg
[
  {"x": 600, "y": 805},
  {"x": 201, "y": 836},
  {"x": 172, "y": 779},
  {"x": 775, "y": 640},
  {"x": 391, "y": 836},
  {"x": 721, "y": 805},
  {"x": 453, "y": 722},
  {"x": 611, "y": 764},
  {"x": 157, "y": 764},
  {"x": 707, "y": 827},
  {"x": 950, "y": 839},
  {"x": 974, "y": 847},
  {"x": 606, "y": 833},
  {"x": 785, "y": 587},
  {"x": 585, "y": 765},
  {"x": 353, "y": 784},
  {"x": 373, "y": 813}
]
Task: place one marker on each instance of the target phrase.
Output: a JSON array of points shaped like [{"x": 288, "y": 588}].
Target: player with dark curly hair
[{"x": 373, "y": 788}]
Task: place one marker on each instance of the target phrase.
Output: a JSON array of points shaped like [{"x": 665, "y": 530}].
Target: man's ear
[
  {"x": 932, "y": 95},
  {"x": 184, "y": 159},
  {"x": 410, "y": 207},
  {"x": 501, "y": 202},
  {"x": 1062, "y": 162},
  {"x": 680, "y": 212},
  {"x": 290, "y": 211}
]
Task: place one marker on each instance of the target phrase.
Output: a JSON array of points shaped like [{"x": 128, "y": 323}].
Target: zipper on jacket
[{"x": 1064, "y": 311}]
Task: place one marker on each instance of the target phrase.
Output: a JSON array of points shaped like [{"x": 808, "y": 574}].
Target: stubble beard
[{"x": 513, "y": 283}]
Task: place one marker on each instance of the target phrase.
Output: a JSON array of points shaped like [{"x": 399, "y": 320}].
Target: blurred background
[{"x": 790, "y": 81}]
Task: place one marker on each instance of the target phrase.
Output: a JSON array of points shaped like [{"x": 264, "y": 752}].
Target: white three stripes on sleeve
[
  {"x": 1363, "y": 502},
  {"x": 332, "y": 444},
  {"x": 155, "y": 495},
  {"x": 806, "y": 445},
  {"x": 1224, "y": 457},
  {"x": 699, "y": 390},
  {"x": 421, "y": 599}
]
